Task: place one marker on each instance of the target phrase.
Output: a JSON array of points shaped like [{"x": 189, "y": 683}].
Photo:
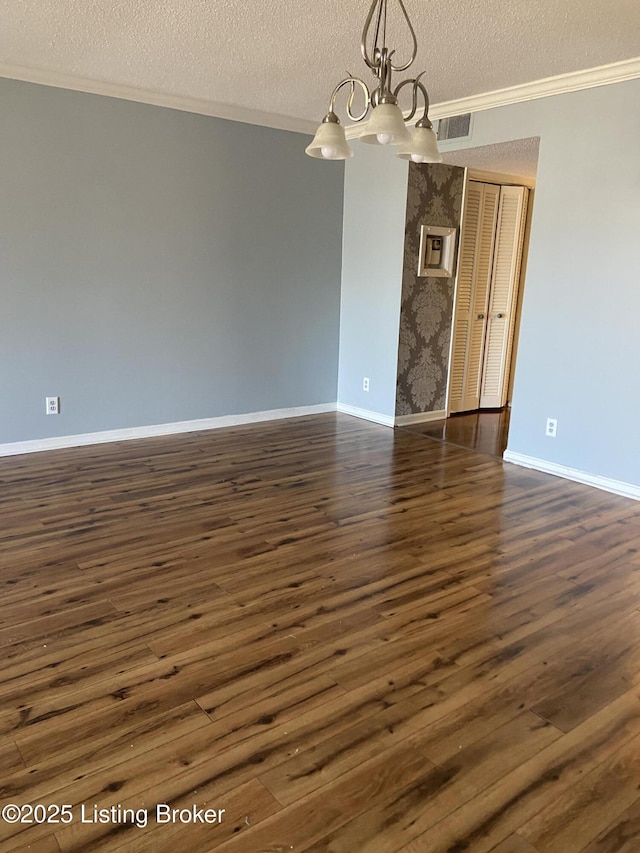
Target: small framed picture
[{"x": 437, "y": 251}]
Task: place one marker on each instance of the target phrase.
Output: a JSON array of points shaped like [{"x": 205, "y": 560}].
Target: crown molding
[
  {"x": 603, "y": 75},
  {"x": 574, "y": 81},
  {"x": 201, "y": 106}
]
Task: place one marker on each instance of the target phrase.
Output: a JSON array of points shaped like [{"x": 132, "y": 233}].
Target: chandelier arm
[
  {"x": 384, "y": 24},
  {"x": 351, "y": 81},
  {"x": 424, "y": 121},
  {"x": 376, "y": 38},
  {"x": 414, "y": 51},
  {"x": 418, "y": 86},
  {"x": 384, "y": 75},
  {"x": 414, "y": 95},
  {"x": 375, "y": 62}
]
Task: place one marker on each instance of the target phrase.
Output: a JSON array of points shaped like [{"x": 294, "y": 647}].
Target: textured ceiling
[
  {"x": 284, "y": 57},
  {"x": 518, "y": 158}
]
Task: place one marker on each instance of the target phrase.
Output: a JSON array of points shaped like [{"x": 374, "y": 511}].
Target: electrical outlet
[
  {"x": 365, "y": 383},
  {"x": 53, "y": 405},
  {"x": 552, "y": 427}
]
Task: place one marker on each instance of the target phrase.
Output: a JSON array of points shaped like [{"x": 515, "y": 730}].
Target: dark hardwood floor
[
  {"x": 485, "y": 431},
  {"x": 349, "y": 638}
]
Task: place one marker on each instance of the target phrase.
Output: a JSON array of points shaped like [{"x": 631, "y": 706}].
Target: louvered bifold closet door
[
  {"x": 472, "y": 295},
  {"x": 503, "y": 295}
]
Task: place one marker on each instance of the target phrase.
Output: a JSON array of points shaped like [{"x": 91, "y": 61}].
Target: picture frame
[{"x": 437, "y": 251}]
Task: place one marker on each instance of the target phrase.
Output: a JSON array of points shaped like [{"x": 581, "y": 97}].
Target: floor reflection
[{"x": 483, "y": 431}]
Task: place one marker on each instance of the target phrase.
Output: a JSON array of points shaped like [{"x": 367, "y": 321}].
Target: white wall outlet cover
[{"x": 52, "y": 405}]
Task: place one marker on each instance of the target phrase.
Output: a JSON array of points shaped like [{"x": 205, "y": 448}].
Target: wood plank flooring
[
  {"x": 348, "y": 638},
  {"x": 485, "y": 430}
]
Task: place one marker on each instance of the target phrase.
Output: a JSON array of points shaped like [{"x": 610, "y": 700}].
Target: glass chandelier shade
[
  {"x": 422, "y": 146},
  {"x": 385, "y": 127},
  {"x": 330, "y": 143}
]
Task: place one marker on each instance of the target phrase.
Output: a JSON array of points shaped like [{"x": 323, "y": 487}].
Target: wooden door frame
[{"x": 500, "y": 179}]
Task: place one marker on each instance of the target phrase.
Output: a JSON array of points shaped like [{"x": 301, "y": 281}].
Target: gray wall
[
  {"x": 374, "y": 215},
  {"x": 158, "y": 266},
  {"x": 579, "y": 350}
]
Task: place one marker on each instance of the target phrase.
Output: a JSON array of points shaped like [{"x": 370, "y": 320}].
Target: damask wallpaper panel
[{"x": 434, "y": 197}]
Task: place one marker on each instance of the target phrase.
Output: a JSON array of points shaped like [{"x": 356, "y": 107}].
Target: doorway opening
[{"x": 489, "y": 288}]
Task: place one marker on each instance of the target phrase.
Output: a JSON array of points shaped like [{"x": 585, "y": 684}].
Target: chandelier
[{"x": 386, "y": 122}]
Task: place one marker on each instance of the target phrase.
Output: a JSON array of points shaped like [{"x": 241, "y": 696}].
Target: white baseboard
[
  {"x": 420, "y": 418},
  {"x": 366, "y": 414},
  {"x": 64, "y": 441},
  {"x": 617, "y": 487}
]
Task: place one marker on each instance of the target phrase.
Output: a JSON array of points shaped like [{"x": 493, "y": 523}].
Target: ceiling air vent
[{"x": 454, "y": 127}]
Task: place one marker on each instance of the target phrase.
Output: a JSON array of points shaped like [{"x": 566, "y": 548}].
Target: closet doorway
[
  {"x": 488, "y": 281},
  {"x": 466, "y": 422}
]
